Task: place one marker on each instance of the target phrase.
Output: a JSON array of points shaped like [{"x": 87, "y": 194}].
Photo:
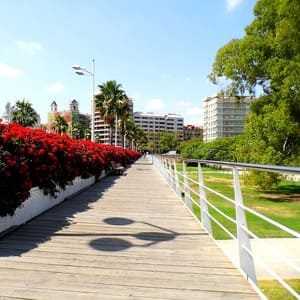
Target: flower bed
[{"x": 33, "y": 158}]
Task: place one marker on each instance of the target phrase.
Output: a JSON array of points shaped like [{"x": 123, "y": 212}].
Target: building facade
[
  {"x": 78, "y": 124},
  {"x": 192, "y": 131},
  {"x": 151, "y": 122},
  {"x": 224, "y": 116}
]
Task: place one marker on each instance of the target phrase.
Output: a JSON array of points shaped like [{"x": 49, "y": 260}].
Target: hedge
[{"x": 33, "y": 158}]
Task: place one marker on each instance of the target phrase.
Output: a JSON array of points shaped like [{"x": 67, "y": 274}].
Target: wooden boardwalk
[{"x": 126, "y": 237}]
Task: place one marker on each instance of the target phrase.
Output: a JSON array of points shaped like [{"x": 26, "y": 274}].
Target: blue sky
[{"x": 161, "y": 51}]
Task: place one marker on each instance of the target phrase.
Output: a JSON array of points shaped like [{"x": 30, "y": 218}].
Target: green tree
[
  {"x": 168, "y": 141},
  {"x": 60, "y": 125},
  {"x": 126, "y": 122},
  {"x": 222, "y": 149},
  {"x": 267, "y": 58},
  {"x": 76, "y": 131},
  {"x": 112, "y": 103},
  {"x": 191, "y": 148},
  {"x": 24, "y": 114}
]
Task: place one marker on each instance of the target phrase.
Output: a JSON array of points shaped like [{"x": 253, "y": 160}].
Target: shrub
[{"x": 32, "y": 157}]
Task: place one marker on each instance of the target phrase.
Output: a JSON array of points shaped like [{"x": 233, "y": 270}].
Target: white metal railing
[{"x": 180, "y": 183}]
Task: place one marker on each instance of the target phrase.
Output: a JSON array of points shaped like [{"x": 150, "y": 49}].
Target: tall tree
[
  {"x": 24, "y": 114},
  {"x": 267, "y": 59},
  {"x": 111, "y": 102},
  {"x": 60, "y": 125}
]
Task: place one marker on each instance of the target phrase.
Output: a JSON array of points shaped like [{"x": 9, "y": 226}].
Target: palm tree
[
  {"x": 24, "y": 114},
  {"x": 60, "y": 125},
  {"x": 126, "y": 121},
  {"x": 136, "y": 136},
  {"x": 111, "y": 102}
]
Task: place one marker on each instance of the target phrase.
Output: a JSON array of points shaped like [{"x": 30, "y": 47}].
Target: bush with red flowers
[{"x": 32, "y": 157}]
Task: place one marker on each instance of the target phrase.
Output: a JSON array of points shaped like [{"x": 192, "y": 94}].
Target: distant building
[
  {"x": 78, "y": 124},
  {"x": 7, "y": 115},
  {"x": 192, "y": 131},
  {"x": 151, "y": 122},
  {"x": 224, "y": 116}
]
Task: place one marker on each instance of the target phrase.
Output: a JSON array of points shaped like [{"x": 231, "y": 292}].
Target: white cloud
[
  {"x": 187, "y": 79},
  {"x": 29, "y": 47},
  {"x": 193, "y": 121},
  {"x": 55, "y": 88},
  {"x": 194, "y": 115},
  {"x": 10, "y": 72},
  {"x": 183, "y": 103},
  {"x": 194, "y": 111},
  {"x": 154, "y": 105},
  {"x": 232, "y": 4}
]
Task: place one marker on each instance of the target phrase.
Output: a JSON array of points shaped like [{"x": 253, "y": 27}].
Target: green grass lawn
[
  {"x": 281, "y": 204},
  {"x": 275, "y": 291}
]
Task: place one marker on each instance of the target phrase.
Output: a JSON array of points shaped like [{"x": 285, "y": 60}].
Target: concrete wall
[{"x": 38, "y": 203}]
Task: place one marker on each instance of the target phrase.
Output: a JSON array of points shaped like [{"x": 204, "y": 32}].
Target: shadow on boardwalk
[
  {"x": 43, "y": 227},
  {"x": 47, "y": 225}
]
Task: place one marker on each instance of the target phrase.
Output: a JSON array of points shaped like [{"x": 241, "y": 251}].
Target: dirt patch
[
  {"x": 223, "y": 180},
  {"x": 281, "y": 197},
  {"x": 274, "y": 210}
]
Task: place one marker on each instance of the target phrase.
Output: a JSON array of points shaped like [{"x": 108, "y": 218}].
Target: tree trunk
[{"x": 110, "y": 134}]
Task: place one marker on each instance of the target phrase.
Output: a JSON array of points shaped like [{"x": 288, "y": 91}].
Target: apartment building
[
  {"x": 224, "y": 116},
  {"x": 151, "y": 122}
]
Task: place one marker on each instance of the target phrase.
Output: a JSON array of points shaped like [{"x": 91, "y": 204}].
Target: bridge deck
[{"x": 126, "y": 237}]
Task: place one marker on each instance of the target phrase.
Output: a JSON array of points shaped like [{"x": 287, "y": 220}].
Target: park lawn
[
  {"x": 275, "y": 204},
  {"x": 275, "y": 291}
]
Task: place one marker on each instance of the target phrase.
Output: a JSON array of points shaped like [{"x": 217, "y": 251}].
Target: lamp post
[{"x": 82, "y": 71}]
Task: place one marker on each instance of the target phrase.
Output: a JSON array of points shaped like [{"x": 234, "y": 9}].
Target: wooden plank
[{"x": 124, "y": 238}]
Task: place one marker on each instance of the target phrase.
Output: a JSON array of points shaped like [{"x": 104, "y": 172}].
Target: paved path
[
  {"x": 289, "y": 247},
  {"x": 126, "y": 237}
]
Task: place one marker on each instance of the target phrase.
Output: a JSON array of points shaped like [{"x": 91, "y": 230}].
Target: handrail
[
  {"x": 244, "y": 235},
  {"x": 271, "y": 168}
]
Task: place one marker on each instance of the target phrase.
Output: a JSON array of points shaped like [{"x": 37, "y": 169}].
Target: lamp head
[
  {"x": 79, "y": 72},
  {"x": 76, "y": 67}
]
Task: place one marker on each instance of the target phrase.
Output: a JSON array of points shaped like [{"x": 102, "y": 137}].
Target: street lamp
[{"x": 82, "y": 71}]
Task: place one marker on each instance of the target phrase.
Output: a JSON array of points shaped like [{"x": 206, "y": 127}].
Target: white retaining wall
[{"x": 38, "y": 203}]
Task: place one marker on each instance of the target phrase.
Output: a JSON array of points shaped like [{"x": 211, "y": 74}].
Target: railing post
[
  {"x": 187, "y": 194},
  {"x": 205, "y": 219},
  {"x": 165, "y": 167},
  {"x": 246, "y": 260},
  {"x": 177, "y": 189},
  {"x": 169, "y": 176},
  {"x": 169, "y": 173},
  {"x": 173, "y": 175}
]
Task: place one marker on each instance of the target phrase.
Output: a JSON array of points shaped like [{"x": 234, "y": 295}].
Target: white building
[
  {"x": 151, "y": 122},
  {"x": 224, "y": 116},
  {"x": 7, "y": 115}
]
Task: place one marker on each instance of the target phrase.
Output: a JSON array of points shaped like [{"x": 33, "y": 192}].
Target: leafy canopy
[{"x": 267, "y": 59}]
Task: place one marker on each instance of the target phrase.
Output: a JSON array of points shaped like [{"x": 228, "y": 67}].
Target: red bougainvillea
[{"x": 32, "y": 157}]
